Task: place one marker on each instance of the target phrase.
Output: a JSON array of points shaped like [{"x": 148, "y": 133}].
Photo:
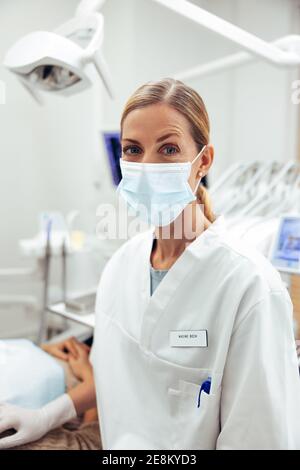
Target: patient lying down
[{"x": 81, "y": 433}]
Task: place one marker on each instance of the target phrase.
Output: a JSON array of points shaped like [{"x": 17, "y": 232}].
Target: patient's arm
[
  {"x": 77, "y": 356},
  {"x": 79, "y": 362},
  {"x": 30, "y": 425},
  {"x": 84, "y": 394}
]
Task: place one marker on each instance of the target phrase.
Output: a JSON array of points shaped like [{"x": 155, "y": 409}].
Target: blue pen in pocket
[{"x": 204, "y": 387}]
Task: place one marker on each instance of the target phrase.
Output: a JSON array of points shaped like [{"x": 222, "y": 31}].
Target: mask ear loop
[{"x": 197, "y": 156}]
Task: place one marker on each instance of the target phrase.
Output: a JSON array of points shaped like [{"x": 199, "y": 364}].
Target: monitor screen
[
  {"x": 286, "y": 251},
  {"x": 113, "y": 149}
]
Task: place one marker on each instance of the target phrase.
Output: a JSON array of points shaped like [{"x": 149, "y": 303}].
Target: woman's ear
[{"x": 206, "y": 160}]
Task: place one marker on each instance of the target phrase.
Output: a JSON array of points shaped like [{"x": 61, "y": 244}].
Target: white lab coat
[{"x": 147, "y": 391}]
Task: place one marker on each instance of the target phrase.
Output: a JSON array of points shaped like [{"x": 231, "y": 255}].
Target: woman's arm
[{"x": 260, "y": 401}]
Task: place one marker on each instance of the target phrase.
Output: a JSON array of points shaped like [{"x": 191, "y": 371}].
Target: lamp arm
[
  {"x": 291, "y": 43},
  {"x": 247, "y": 41}
]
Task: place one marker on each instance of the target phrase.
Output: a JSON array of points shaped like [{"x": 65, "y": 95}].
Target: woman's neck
[{"x": 171, "y": 241}]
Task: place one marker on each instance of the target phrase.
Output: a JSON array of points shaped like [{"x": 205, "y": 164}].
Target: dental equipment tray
[
  {"x": 82, "y": 305},
  {"x": 80, "y": 309}
]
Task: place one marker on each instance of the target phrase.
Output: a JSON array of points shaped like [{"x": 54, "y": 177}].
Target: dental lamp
[
  {"x": 57, "y": 62},
  {"x": 283, "y": 52},
  {"x": 63, "y": 61}
]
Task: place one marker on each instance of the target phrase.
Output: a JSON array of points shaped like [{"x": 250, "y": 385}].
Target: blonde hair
[{"x": 190, "y": 104}]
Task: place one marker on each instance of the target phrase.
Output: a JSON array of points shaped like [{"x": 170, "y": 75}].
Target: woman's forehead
[{"x": 155, "y": 119}]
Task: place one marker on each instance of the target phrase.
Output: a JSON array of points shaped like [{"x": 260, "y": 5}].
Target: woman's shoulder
[
  {"x": 246, "y": 274},
  {"x": 235, "y": 258},
  {"x": 249, "y": 261}
]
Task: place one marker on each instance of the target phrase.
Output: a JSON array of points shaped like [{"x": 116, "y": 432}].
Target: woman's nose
[{"x": 149, "y": 158}]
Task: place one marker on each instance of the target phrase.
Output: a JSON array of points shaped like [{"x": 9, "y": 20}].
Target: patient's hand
[
  {"x": 64, "y": 349},
  {"x": 80, "y": 365}
]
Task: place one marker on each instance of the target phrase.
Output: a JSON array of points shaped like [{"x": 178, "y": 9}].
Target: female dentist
[{"x": 193, "y": 345}]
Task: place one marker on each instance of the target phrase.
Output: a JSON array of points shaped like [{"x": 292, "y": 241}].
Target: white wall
[
  {"x": 52, "y": 156},
  {"x": 265, "y": 123}
]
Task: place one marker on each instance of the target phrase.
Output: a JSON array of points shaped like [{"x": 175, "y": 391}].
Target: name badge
[{"x": 188, "y": 338}]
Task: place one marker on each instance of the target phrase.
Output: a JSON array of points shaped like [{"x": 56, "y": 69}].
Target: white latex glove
[{"x": 33, "y": 424}]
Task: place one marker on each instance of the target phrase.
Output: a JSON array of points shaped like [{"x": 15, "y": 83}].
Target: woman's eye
[
  {"x": 125, "y": 150},
  {"x": 134, "y": 150},
  {"x": 168, "y": 148}
]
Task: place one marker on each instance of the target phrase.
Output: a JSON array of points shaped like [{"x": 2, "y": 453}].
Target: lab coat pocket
[{"x": 195, "y": 427}]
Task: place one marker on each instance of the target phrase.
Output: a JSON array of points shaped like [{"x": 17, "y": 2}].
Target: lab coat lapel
[{"x": 153, "y": 306}]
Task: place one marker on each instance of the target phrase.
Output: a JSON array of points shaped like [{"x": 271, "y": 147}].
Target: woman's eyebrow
[
  {"x": 160, "y": 139},
  {"x": 166, "y": 136},
  {"x": 131, "y": 140}
]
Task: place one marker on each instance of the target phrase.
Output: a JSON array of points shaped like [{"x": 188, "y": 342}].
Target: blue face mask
[{"x": 157, "y": 192}]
